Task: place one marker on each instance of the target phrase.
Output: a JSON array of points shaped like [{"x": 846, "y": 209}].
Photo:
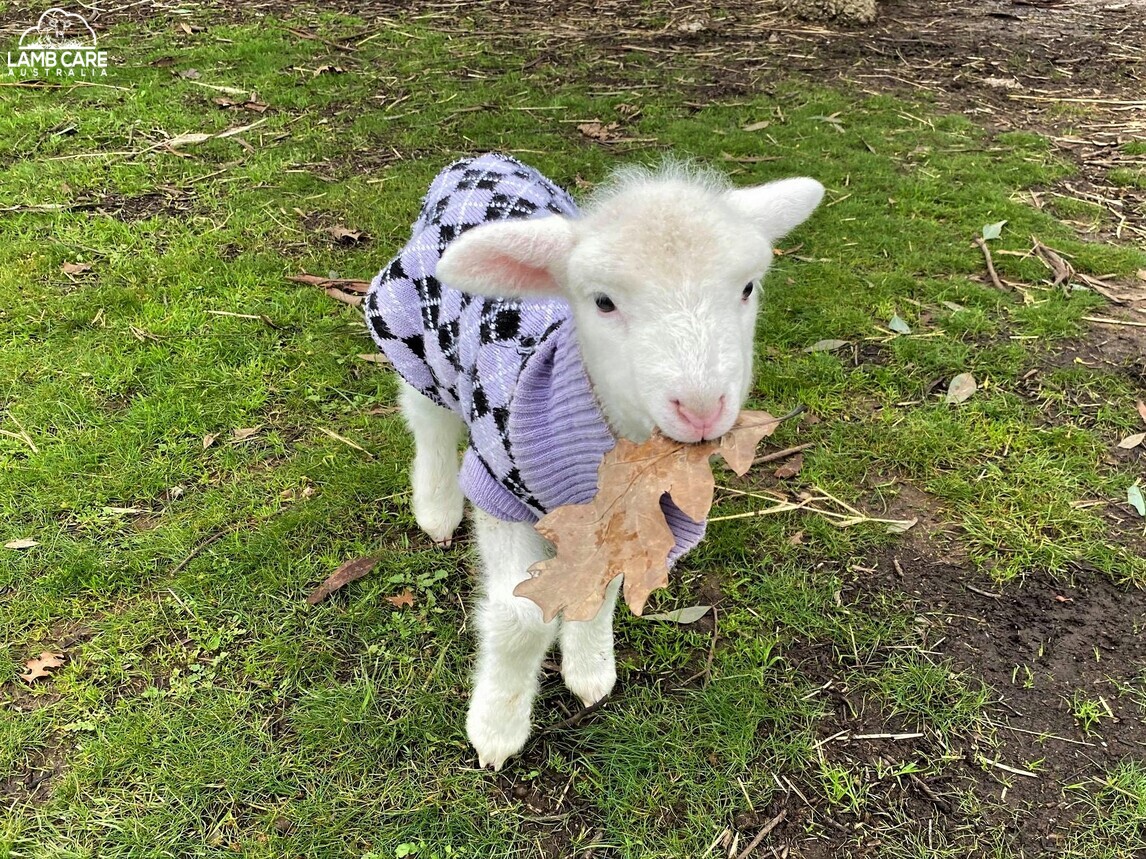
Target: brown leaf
[
  {"x": 345, "y": 297},
  {"x": 796, "y": 539},
  {"x": 1142, "y": 410},
  {"x": 244, "y": 433},
  {"x": 790, "y": 468},
  {"x": 596, "y": 130},
  {"x": 623, "y": 530},
  {"x": 210, "y": 439},
  {"x": 41, "y": 666},
  {"x": 346, "y": 236},
  {"x": 402, "y": 600},
  {"x": 374, "y": 358},
  {"x": 75, "y": 267},
  {"x": 344, "y": 284},
  {"x": 344, "y": 575}
]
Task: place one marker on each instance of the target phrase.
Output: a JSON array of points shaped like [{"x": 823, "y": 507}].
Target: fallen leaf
[
  {"x": 993, "y": 231},
  {"x": 901, "y": 526},
  {"x": 210, "y": 439},
  {"x": 1002, "y": 83},
  {"x": 1060, "y": 268},
  {"x": 328, "y": 283},
  {"x": 756, "y": 126},
  {"x": 954, "y": 307},
  {"x": 41, "y": 666},
  {"x": 402, "y": 600},
  {"x": 898, "y": 325},
  {"x": 961, "y": 387},
  {"x": 790, "y": 468},
  {"x": 23, "y": 543},
  {"x": 1142, "y": 410},
  {"x": 682, "y": 615},
  {"x": 346, "y": 236},
  {"x": 1132, "y": 441},
  {"x": 623, "y": 529},
  {"x": 75, "y": 267},
  {"x": 374, "y": 357},
  {"x": 344, "y": 575},
  {"x": 329, "y": 70},
  {"x": 827, "y": 345},
  {"x": 596, "y": 130},
  {"x": 190, "y": 74},
  {"x": 796, "y": 539},
  {"x": 1140, "y": 274},
  {"x": 244, "y": 433},
  {"x": 345, "y": 297},
  {"x": 1134, "y": 496}
]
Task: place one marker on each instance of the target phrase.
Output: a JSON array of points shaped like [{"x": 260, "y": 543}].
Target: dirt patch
[{"x": 1063, "y": 663}]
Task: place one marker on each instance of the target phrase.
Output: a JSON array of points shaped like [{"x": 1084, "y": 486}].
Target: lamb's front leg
[
  {"x": 587, "y": 661},
  {"x": 438, "y": 500},
  {"x": 513, "y": 640}
]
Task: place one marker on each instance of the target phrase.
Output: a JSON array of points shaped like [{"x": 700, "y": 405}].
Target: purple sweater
[{"x": 510, "y": 368}]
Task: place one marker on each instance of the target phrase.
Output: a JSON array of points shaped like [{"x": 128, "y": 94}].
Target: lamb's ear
[
  {"x": 509, "y": 258},
  {"x": 778, "y": 207}
]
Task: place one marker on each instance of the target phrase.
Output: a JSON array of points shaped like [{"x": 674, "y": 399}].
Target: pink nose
[{"x": 700, "y": 421}]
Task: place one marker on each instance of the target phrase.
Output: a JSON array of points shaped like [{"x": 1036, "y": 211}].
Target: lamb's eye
[
  {"x": 747, "y": 293},
  {"x": 604, "y": 303}
]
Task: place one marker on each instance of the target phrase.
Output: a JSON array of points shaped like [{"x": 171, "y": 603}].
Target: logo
[{"x": 61, "y": 45}]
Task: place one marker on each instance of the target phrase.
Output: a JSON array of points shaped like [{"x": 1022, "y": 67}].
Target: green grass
[{"x": 206, "y": 710}]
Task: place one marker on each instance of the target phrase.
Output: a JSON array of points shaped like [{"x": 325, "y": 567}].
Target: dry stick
[
  {"x": 768, "y": 827},
  {"x": 781, "y": 454},
  {"x": 990, "y": 263},
  {"x": 1104, "y": 321},
  {"x": 216, "y": 536}
]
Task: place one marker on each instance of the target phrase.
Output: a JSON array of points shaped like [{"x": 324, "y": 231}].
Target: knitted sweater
[{"x": 510, "y": 368}]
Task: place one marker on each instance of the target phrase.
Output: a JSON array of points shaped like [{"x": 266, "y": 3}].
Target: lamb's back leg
[{"x": 438, "y": 500}]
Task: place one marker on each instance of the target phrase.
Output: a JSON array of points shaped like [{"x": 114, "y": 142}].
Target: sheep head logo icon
[{"x": 57, "y": 29}]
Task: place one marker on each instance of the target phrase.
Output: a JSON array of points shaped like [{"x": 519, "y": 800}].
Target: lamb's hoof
[
  {"x": 496, "y": 735},
  {"x": 440, "y": 520},
  {"x": 593, "y": 685}
]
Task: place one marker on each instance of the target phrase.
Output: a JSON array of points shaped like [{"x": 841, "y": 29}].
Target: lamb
[{"x": 547, "y": 333}]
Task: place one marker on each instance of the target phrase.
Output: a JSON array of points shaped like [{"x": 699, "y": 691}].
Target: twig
[
  {"x": 711, "y": 649},
  {"x": 781, "y": 454},
  {"x": 1106, "y": 321},
  {"x": 768, "y": 827},
  {"x": 982, "y": 592},
  {"x": 345, "y": 441},
  {"x": 1006, "y": 768},
  {"x": 990, "y": 263},
  {"x": 213, "y": 538},
  {"x": 576, "y": 719}
]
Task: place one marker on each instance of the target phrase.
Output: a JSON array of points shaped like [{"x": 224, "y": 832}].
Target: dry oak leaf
[
  {"x": 402, "y": 600},
  {"x": 344, "y": 575},
  {"x": 623, "y": 531},
  {"x": 41, "y": 666}
]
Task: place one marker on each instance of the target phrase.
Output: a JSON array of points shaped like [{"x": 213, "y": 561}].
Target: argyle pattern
[{"x": 510, "y": 368}]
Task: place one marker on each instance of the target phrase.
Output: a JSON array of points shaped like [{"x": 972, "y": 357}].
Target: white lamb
[{"x": 548, "y": 333}]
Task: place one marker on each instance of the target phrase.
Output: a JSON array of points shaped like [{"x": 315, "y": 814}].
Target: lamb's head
[{"x": 662, "y": 272}]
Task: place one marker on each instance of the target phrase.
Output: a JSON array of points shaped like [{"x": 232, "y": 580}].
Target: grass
[{"x": 205, "y": 709}]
